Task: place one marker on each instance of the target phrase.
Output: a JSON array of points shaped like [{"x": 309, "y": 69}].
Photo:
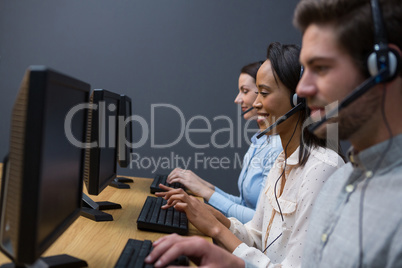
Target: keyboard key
[
  {"x": 144, "y": 211},
  {"x": 183, "y": 221},
  {"x": 169, "y": 216},
  {"x": 162, "y": 213},
  {"x": 157, "y": 209},
  {"x": 176, "y": 218}
]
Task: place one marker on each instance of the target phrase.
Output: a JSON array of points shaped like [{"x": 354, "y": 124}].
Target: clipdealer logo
[
  {"x": 147, "y": 129},
  {"x": 237, "y": 132}
]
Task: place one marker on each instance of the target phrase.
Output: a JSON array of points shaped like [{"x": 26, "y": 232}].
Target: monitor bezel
[
  {"x": 124, "y": 102},
  {"x": 92, "y": 180}
]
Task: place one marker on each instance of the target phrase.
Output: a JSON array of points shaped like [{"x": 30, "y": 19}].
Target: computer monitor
[
  {"x": 101, "y": 151},
  {"x": 42, "y": 180},
  {"x": 125, "y": 139}
]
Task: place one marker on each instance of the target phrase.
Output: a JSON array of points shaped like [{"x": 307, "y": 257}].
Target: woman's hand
[
  {"x": 197, "y": 212},
  {"x": 201, "y": 252},
  {"x": 200, "y": 216},
  {"x": 192, "y": 182}
]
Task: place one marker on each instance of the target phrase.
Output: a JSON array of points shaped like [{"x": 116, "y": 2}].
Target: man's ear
[
  {"x": 398, "y": 53},
  {"x": 396, "y": 48}
]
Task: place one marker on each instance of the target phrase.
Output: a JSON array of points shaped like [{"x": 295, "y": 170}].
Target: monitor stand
[
  {"x": 58, "y": 261},
  {"x": 92, "y": 210},
  {"x": 120, "y": 183}
]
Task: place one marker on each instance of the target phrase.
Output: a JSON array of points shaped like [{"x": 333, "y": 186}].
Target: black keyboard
[
  {"x": 162, "y": 179},
  {"x": 153, "y": 218},
  {"x": 136, "y": 251}
]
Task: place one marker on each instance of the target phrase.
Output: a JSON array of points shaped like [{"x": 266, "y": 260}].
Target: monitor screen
[
  {"x": 125, "y": 131},
  {"x": 101, "y": 154},
  {"x": 42, "y": 184}
]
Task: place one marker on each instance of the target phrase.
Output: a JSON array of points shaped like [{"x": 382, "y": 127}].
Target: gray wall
[{"x": 184, "y": 53}]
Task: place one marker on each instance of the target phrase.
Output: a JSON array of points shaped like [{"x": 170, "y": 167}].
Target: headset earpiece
[
  {"x": 296, "y": 100},
  {"x": 393, "y": 64},
  {"x": 382, "y": 57}
]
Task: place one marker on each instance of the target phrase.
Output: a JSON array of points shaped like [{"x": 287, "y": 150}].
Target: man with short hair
[{"x": 356, "y": 220}]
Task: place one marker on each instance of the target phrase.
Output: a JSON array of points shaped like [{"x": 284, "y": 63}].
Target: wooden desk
[{"x": 100, "y": 243}]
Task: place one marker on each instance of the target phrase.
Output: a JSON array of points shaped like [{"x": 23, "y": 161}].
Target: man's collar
[{"x": 383, "y": 153}]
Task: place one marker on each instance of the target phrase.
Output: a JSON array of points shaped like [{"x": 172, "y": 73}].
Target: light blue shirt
[{"x": 257, "y": 163}]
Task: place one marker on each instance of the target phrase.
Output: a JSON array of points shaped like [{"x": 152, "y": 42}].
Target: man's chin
[{"x": 330, "y": 131}]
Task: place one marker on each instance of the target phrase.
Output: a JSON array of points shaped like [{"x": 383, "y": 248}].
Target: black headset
[
  {"x": 382, "y": 56},
  {"x": 386, "y": 61}
]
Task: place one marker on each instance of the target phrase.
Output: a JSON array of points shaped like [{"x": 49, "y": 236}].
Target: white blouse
[{"x": 300, "y": 190}]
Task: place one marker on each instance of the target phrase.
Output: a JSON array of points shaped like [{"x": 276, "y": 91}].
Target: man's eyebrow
[{"x": 314, "y": 59}]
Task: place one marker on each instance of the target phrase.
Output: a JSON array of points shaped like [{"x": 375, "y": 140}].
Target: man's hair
[{"x": 352, "y": 22}]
